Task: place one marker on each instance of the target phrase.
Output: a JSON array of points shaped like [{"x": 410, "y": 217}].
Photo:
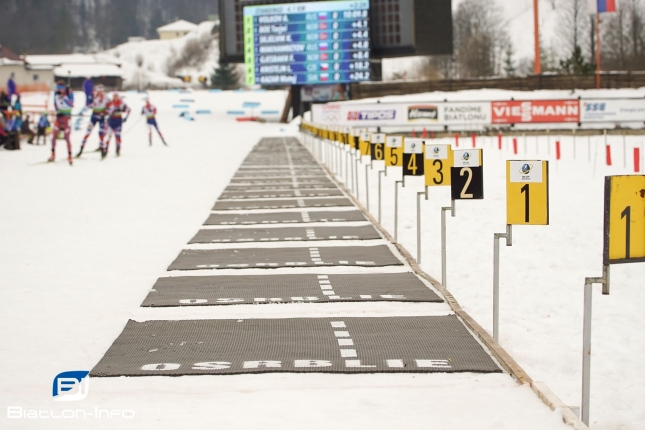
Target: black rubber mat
[
  {"x": 426, "y": 344},
  {"x": 281, "y": 204},
  {"x": 282, "y": 234},
  {"x": 269, "y": 175},
  {"x": 271, "y": 289},
  {"x": 249, "y": 188},
  {"x": 284, "y": 217},
  {"x": 245, "y": 258},
  {"x": 237, "y": 195},
  {"x": 279, "y": 181}
]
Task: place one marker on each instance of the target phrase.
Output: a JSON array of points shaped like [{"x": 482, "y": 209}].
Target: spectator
[
  {"x": 88, "y": 89},
  {"x": 17, "y": 105},
  {"x": 5, "y": 102},
  {"x": 11, "y": 86},
  {"x": 43, "y": 124},
  {"x": 3, "y": 132},
  {"x": 25, "y": 129},
  {"x": 13, "y": 131}
]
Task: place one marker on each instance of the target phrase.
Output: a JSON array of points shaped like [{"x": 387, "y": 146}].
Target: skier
[
  {"x": 63, "y": 103},
  {"x": 150, "y": 111},
  {"x": 99, "y": 105},
  {"x": 117, "y": 113}
]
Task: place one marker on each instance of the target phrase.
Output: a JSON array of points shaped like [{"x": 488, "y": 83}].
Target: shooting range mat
[
  {"x": 425, "y": 344},
  {"x": 281, "y": 203},
  {"x": 282, "y": 234},
  {"x": 271, "y": 289},
  {"x": 284, "y": 217},
  {"x": 245, "y": 258},
  {"x": 246, "y": 194}
]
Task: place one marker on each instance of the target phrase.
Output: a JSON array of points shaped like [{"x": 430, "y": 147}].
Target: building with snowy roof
[{"x": 176, "y": 29}]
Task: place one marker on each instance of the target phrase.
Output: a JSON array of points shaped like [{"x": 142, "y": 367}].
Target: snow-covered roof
[
  {"x": 178, "y": 26},
  {"x": 88, "y": 70},
  {"x": 57, "y": 60},
  {"x": 8, "y": 62}
]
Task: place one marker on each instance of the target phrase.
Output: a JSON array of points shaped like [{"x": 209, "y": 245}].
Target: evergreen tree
[
  {"x": 509, "y": 61},
  {"x": 225, "y": 77},
  {"x": 576, "y": 64}
]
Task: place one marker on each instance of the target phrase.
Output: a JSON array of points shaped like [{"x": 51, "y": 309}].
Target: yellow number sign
[
  {"x": 394, "y": 151},
  {"x": 527, "y": 192},
  {"x": 624, "y": 219},
  {"x": 438, "y": 161},
  {"x": 365, "y": 142}
]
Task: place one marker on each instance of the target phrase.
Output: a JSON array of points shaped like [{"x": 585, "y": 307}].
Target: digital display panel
[{"x": 324, "y": 42}]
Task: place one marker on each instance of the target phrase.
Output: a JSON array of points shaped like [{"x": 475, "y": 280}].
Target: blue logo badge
[
  {"x": 526, "y": 169},
  {"x": 436, "y": 150},
  {"x": 71, "y": 386},
  {"x": 466, "y": 156}
]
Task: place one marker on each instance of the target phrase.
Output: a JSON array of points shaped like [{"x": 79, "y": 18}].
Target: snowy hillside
[{"x": 150, "y": 62}]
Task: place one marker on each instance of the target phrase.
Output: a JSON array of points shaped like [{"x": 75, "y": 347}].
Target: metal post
[
  {"x": 379, "y": 195},
  {"x": 396, "y": 207},
  {"x": 586, "y": 340},
  {"x": 367, "y": 186},
  {"x": 419, "y": 194},
  {"x": 509, "y": 242},
  {"x": 356, "y": 170},
  {"x": 453, "y": 212},
  {"x": 345, "y": 150}
]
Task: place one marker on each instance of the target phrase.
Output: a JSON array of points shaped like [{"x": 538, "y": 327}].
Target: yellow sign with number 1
[
  {"x": 527, "y": 192},
  {"x": 624, "y": 219}
]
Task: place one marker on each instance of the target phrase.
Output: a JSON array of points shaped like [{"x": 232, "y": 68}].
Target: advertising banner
[
  {"x": 465, "y": 113},
  {"x": 535, "y": 111},
  {"x": 625, "y": 110}
]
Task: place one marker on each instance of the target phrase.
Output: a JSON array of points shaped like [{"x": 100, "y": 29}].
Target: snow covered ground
[
  {"x": 542, "y": 274},
  {"x": 82, "y": 245}
]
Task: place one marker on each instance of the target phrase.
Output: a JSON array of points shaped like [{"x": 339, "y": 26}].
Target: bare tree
[
  {"x": 623, "y": 37},
  {"x": 573, "y": 26},
  {"x": 480, "y": 38}
]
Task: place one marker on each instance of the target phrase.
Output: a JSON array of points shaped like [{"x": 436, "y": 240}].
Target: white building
[{"x": 176, "y": 29}]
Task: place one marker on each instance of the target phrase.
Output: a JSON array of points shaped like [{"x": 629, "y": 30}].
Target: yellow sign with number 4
[
  {"x": 624, "y": 219},
  {"x": 527, "y": 192}
]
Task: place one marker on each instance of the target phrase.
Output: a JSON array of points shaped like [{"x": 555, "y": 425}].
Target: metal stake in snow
[
  {"x": 396, "y": 207},
  {"x": 509, "y": 242},
  {"x": 624, "y": 242},
  {"x": 453, "y": 212},
  {"x": 419, "y": 194},
  {"x": 527, "y": 203}
]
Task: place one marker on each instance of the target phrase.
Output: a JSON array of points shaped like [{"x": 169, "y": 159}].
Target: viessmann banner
[{"x": 480, "y": 113}]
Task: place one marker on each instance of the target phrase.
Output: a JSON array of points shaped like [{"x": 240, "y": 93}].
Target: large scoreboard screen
[{"x": 323, "y": 42}]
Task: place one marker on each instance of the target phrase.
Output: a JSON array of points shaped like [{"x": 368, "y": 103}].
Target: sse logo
[
  {"x": 594, "y": 107},
  {"x": 71, "y": 386},
  {"x": 371, "y": 115},
  {"x": 423, "y": 112}
]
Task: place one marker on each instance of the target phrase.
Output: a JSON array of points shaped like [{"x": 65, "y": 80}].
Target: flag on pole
[{"x": 606, "y": 6}]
